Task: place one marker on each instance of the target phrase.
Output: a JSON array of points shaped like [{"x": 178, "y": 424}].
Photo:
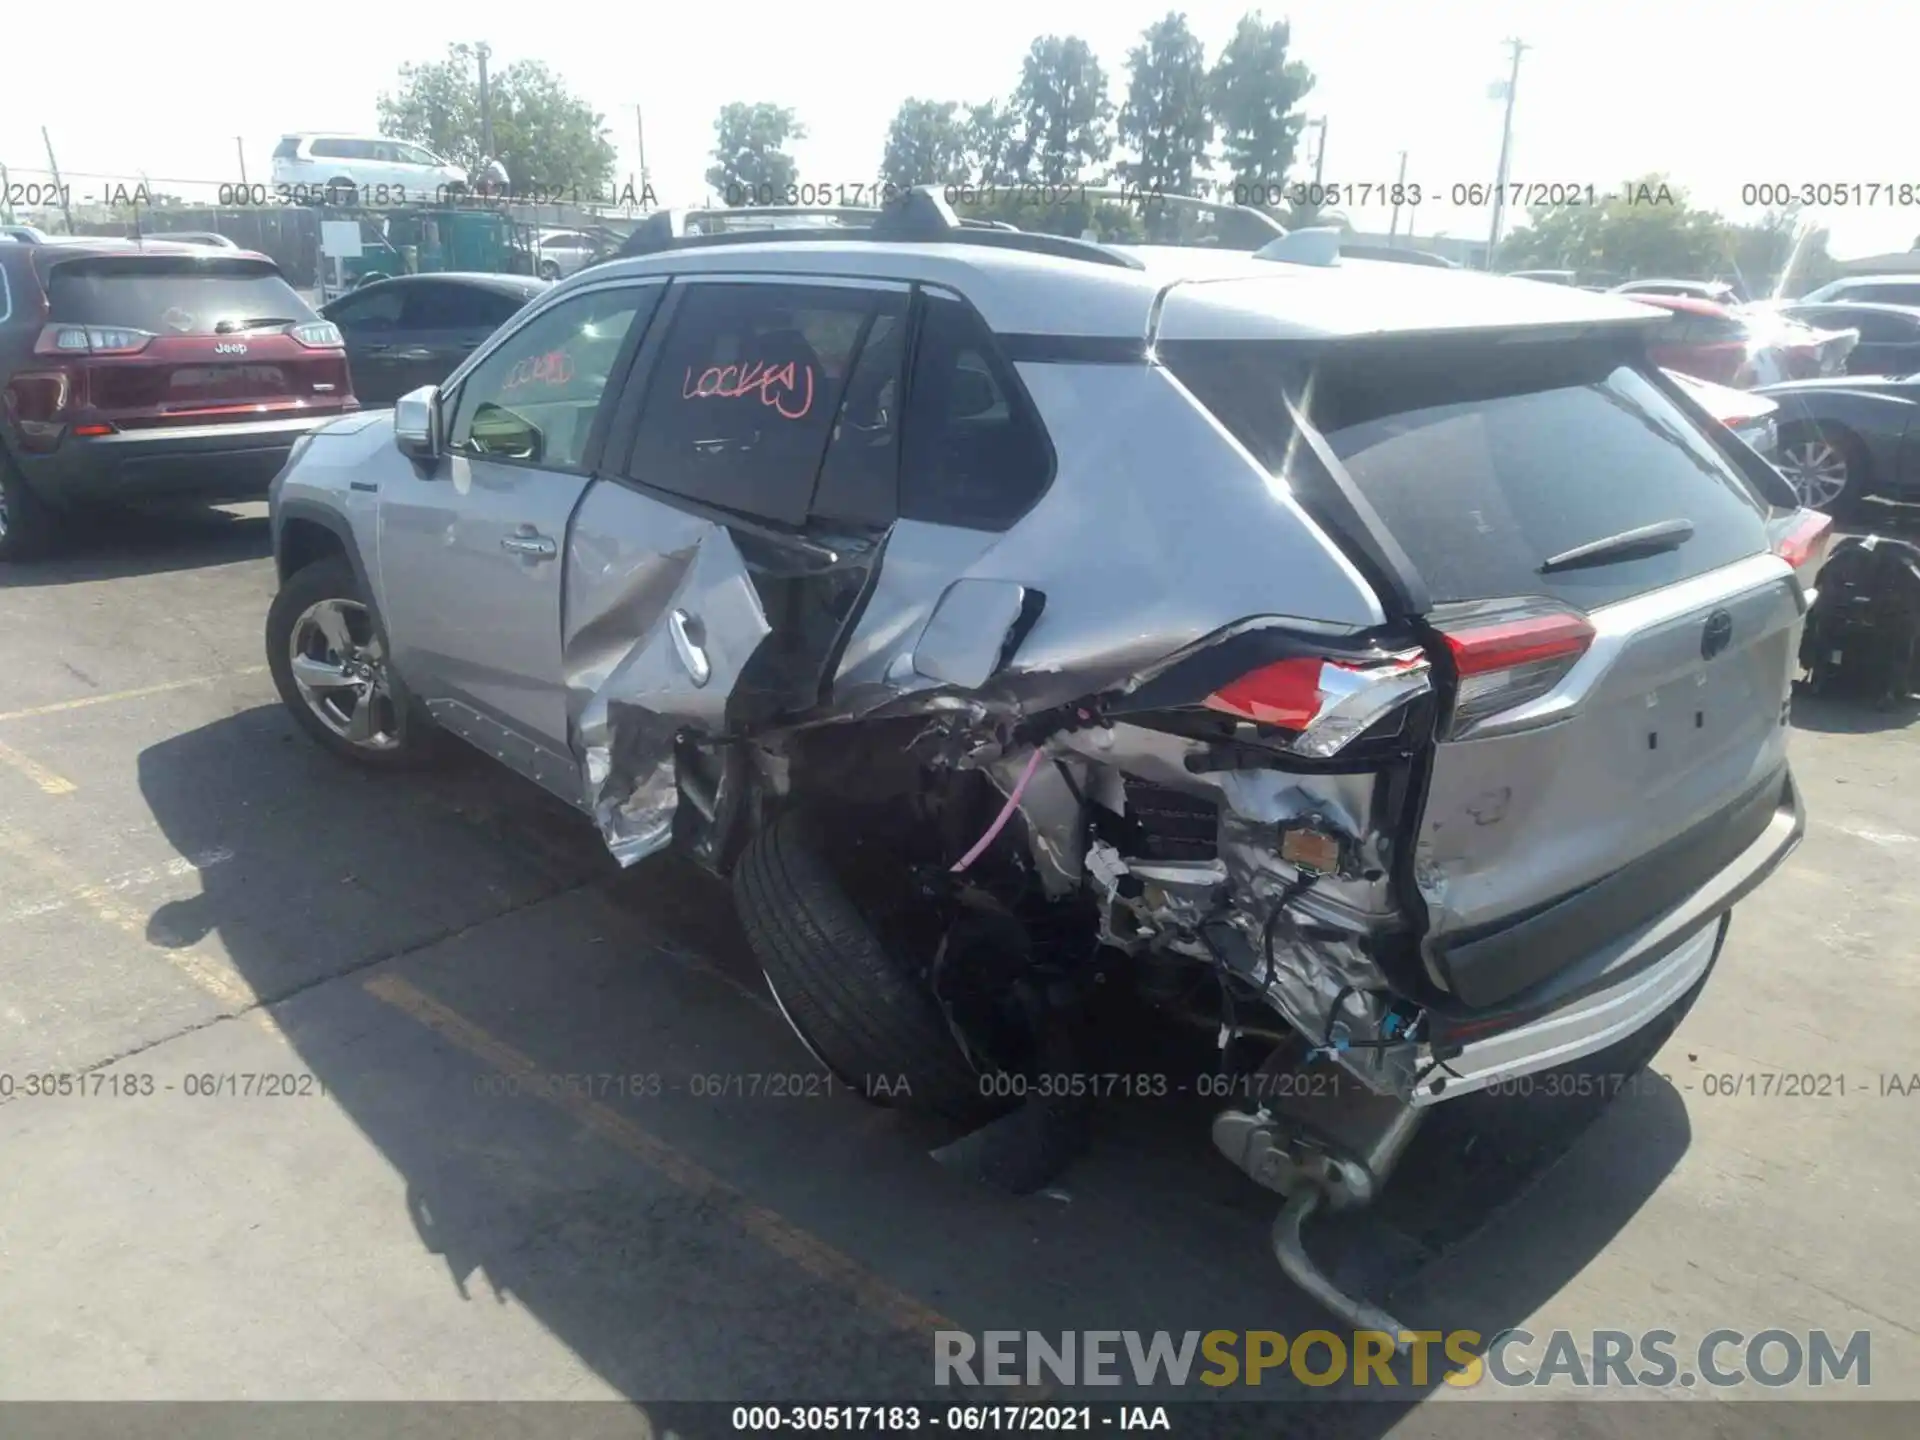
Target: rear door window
[
  {"x": 1887, "y": 294},
  {"x": 172, "y": 295},
  {"x": 744, "y": 397},
  {"x": 378, "y": 308},
  {"x": 1484, "y": 460},
  {"x": 439, "y": 305},
  {"x": 976, "y": 454}
]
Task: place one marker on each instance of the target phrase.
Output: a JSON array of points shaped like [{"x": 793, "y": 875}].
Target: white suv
[{"x": 383, "y": 170}]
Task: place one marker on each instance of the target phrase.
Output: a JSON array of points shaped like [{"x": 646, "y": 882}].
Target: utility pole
[
  {"x": 1320, "y": 153},
  {"x": 482, "y": 51},
  {"x": 1518, "y": 48},
  {"x": 239, "y": 145},
  {"x": 59, "y": 189},
  {"x": 1399, "y": 189},
  {"x": 640, "y": 136},
  {"x": 6, "y": 189}
]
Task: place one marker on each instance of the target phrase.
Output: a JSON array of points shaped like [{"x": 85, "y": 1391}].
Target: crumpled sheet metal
[{"x": 627, "y": 727}]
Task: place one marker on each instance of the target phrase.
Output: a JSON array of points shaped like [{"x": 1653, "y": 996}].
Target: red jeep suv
[{"x": 131, "y": 371}]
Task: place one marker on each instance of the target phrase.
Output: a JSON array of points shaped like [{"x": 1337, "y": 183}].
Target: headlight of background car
[{"x": 1762, "y": 434}]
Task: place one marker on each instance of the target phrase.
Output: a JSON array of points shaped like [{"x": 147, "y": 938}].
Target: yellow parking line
[
  {"x": 49, "y": 782},
  {"x": 211, "y": 975},
  {"x": 62, "y": 706},
  {"x": 804, "y": 1249}
]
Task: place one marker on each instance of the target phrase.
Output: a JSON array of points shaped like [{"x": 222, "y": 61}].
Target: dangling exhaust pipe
[{"x": 1325, "y": 1147}]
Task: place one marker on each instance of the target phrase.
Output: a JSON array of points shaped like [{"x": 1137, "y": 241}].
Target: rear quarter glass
[
  {"x": 1483, "y": 459},
  {"x": 171, "y": 295}
]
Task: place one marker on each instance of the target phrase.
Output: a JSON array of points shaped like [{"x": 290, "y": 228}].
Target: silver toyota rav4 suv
[{"x": 1384, "y": 668}]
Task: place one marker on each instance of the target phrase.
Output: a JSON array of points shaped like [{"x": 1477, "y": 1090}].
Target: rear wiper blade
[{"x": 1646, "y": 540}]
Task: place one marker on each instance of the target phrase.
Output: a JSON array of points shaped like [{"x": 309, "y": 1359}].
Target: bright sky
[{"x": 1718, "y": 94}]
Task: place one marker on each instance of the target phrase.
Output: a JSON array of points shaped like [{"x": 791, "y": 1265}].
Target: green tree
[
  {"x": 1165, "y": 120},
  {"x": 926, "y": 145},
  {"x": 1063, "y": 112},
  {"x": 1648, "y": 229},
  {"x": 546, "y": 136},
  {"x": 990, "y": 134},
  {"x": 1256, "y": 92},
  {"x": 749, "y": 161}
]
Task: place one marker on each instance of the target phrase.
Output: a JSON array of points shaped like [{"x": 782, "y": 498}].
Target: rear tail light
[
  {"x": 1802, "y": 540},
  {"x": 1507, "y": 653},
  {"x": 1323, "y": 704},
  {"x": 319, "y": 335},
  {"x": 78, "y": 340}
]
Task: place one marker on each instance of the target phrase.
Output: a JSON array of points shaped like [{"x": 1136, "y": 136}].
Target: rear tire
[
  {"x": 29, "y": 527},
  {"x": 859, "y": 1010},
  {"x": 399, "y": 735}
]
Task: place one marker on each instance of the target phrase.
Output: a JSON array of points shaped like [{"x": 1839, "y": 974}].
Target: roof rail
[
  {"x": 920, "y": 215},
  {"x": 1240, "y": 227}
]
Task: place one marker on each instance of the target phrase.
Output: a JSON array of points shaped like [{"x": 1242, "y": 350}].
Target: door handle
[
  {"x": 531, "y": 543},
  {"x": 691, "y": 655}
]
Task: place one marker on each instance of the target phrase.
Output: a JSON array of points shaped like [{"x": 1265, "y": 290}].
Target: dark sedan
[
  {"x": 1889, "y": 334},
  {"x": 413, "y": 330},
  {"x": 1846, "y": 437}
]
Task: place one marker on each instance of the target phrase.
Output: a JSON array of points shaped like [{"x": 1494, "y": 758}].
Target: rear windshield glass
[
  {"x": 1485, "y": 460},
  {"x": 171, "y": 295}
]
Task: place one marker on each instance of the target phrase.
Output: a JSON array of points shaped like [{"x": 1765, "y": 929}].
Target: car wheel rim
[
  {"x": 3, "y": 516},
  {"x": 340, "y": 669},
  {"x": 1817, "y": 470}
]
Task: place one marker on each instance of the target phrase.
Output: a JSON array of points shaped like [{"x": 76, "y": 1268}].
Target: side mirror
[{"x": 416, "y": 423}]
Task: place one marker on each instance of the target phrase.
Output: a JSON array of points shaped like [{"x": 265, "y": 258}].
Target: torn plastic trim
[{"x": 1325, "y": 704}]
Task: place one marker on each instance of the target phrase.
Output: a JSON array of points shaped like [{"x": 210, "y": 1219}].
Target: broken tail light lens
[
  {"x": 1321, "y": 703},
  {"x": 78, "y": 340},
  {"x": 1508, "y": 653}
]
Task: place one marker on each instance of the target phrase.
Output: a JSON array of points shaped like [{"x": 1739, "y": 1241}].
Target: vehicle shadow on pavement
[
  {"x": 113, "y": 544},
  {"x": 433, "y": 944},
  {"x": 1852, "y": 714}
]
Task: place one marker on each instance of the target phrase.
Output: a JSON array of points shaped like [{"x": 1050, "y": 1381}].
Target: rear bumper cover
[
  {"x": 227, "y": 462},
  {"x": 1616, "y": 991}
]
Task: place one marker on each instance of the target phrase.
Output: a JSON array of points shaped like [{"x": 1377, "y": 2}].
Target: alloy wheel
[
  {"x": 1817, "y": 470},
  {"x": 340, "y": 668}
]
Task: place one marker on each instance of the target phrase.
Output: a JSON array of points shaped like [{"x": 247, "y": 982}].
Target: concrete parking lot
[{"x": 192, "y": 894}]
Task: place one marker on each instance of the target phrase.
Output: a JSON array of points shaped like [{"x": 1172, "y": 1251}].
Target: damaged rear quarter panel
[{"x": 1158, "y": 530}]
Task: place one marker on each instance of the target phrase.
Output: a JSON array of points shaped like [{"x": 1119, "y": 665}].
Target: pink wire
[{"x": 1000, "y": 821}]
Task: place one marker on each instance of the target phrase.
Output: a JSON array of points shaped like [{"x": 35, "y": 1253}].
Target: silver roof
[{"x": 1222, "y": 294}]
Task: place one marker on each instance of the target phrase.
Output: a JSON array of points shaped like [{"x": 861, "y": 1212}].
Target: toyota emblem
[{"x": 1717, "y": 635}]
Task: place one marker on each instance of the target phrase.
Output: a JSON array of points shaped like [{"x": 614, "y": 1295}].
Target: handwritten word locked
[{"x": 780, "y": 386}]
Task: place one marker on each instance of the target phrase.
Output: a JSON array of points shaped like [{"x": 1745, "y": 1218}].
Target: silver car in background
[{"x": 1383, "y": 670}]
